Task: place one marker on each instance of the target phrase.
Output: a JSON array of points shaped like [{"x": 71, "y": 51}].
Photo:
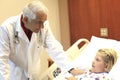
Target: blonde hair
[{"x": 109, "y": 56}]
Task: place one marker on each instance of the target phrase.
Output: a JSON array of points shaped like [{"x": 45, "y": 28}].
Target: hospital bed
[{"x": 83, "y": 57}]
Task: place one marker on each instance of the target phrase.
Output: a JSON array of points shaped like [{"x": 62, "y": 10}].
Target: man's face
[{"x": 36, "y": 24}]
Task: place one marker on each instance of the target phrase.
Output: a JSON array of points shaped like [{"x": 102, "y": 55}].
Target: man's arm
[{"x": 55, "y": 50}]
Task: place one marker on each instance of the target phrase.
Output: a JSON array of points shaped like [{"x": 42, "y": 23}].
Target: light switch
[{"x": 104, "y": 32}]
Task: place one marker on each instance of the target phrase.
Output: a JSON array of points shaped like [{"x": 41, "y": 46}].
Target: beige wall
[
  {"x": 57, "y": 17},
  {"x": 64, "y": 23},
  {"x": 10, "y": 7}
]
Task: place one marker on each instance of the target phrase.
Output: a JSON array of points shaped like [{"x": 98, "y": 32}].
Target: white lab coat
[{"x": 22, "y": 59}]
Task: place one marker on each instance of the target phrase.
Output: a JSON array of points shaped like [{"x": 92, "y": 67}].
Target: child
[{"x": 102, "y": 64}]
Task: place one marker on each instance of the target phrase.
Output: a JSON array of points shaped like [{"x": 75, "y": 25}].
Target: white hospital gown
[{"x": 94, "y": 76}]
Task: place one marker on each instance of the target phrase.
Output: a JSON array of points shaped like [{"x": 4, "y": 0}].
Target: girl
[{"x": 102, "y": 64}]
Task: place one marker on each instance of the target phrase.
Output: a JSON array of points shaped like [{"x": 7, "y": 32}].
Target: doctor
[{"x": 22, "y": 39}]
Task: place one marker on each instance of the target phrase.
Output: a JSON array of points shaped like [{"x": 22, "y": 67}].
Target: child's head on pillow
[{"x": 104, "y": 60}]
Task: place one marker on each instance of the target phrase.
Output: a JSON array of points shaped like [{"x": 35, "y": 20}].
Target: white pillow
[{"x": 84, "y": 61}]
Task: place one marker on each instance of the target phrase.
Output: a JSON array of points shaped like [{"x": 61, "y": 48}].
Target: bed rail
[{"x": 74, "y": 51}]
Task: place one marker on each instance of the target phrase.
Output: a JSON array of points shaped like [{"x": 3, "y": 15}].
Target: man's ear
[{"x": 25, "y": 19}]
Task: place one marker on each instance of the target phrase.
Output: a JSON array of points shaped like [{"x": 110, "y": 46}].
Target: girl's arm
[{"x": 77, "y": 72}]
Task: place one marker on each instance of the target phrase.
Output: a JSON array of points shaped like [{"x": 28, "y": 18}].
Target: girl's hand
[{"x": 77, "y": 72}]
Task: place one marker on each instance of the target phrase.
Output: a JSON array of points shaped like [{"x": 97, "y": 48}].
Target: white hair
[{"x": 31, "y": 8}]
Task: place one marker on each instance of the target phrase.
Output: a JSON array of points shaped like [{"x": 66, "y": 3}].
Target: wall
[{"x": 64, "y": 23}]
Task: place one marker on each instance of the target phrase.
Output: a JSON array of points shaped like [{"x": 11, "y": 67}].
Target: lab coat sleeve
[
  {"x": 56, "y": 51},
  {"x": 4, "y": 55}
]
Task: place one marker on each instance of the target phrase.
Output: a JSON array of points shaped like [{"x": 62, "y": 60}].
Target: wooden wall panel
[{"x": 86, "y": 17}]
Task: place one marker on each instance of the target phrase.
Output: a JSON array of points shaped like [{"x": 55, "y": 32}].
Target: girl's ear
[{"x": 106, "y": 67}]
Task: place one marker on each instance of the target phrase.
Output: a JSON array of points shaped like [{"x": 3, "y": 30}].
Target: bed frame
[{"x": 74, "y": 49}]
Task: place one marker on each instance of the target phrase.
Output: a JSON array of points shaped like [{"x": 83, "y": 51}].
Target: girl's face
[{"x": 98, "y": 64}]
